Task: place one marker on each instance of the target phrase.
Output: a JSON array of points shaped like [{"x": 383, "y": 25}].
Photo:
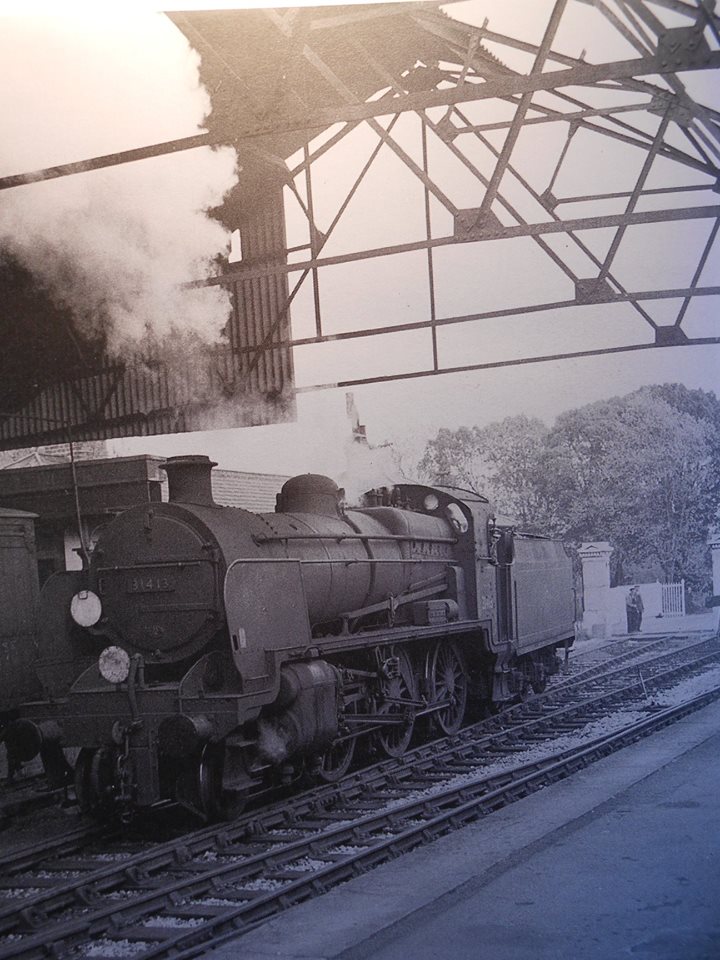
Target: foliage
[
  {"x": 642, "y": 471},
  {"x": 500, "y": 461},
  {"x": 637, "y": 472}
]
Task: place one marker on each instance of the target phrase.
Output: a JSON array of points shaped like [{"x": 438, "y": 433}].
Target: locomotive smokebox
[
  {"x": 310, "y": 493},
  {"x": 189, "y": 479}
]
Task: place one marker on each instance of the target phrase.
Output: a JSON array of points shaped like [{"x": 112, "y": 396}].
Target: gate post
[
  {"x": 595, "y": 559},
  {"x": 714, "y": 542}
]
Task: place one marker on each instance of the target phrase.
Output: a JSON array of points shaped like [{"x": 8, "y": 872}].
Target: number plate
[{"x": 150, "y": 583}]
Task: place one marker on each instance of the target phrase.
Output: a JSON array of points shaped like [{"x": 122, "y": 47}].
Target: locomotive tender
[{"x": 209, "y": 652}]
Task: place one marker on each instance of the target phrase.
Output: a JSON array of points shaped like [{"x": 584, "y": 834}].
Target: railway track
[
  {"x": 93, "y": 895},
  {"x": 23, "y": 796},
  {"x": 26, "y": 796}
]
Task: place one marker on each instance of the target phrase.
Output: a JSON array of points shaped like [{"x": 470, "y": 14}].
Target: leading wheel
[
  {"x": 94, "y": 779},
  {"x": 336, "y": 760},
  {"x": 209, "y": 781},
  {"x": 448, "y": 685},
  {"x": 201, "y": 786}
]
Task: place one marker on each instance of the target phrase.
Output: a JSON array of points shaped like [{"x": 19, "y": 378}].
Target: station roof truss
[{"x": 316, "y": 76}]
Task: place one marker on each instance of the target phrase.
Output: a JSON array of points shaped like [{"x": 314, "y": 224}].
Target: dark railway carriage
[
  {"x": 19, "y": 591},
  {"x": 209, "y": 653}
]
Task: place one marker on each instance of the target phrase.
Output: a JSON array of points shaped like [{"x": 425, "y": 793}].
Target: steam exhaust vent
[
  {"x": 310, "y": 493},
  {"x": 189, "y": 479}
]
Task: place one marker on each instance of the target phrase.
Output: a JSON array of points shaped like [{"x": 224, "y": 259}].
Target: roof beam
[
  {"x": 582, "y": 74},
  {"x": 490, "y": 232}
]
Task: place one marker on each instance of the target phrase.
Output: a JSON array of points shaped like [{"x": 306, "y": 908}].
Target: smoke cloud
[
  {"x": 366, "y": 467},
  {"x": 113, "y": 246},
  {"x": 273, "y": 743}
]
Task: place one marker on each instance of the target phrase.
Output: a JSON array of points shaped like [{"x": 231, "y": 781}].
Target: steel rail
[
  {"x": 70, "y": 841},
  {"x": 635, "y": 656},
  {"x": 376, "y": 837},
  {"x": 526, "y": 779},
  {"x": 17, "y": 795},
  {"x": 140, "y": 867},
  {"x": 511, "y": 724}
]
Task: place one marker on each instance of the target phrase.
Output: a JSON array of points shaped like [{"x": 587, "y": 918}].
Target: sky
[{"x": 94, "y": 83}]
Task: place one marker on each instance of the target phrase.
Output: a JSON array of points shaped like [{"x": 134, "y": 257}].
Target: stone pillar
[
  {"x": 595, "y": 559},
  {"x": 714, "y": 542}
]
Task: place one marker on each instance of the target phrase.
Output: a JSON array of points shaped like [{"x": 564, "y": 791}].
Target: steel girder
[
  {"x": 334, "y": 76},
  {"x": 652, "y": 85}
]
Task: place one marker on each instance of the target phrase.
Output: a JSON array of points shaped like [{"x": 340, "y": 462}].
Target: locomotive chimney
[{"x": 189, "y": 479}]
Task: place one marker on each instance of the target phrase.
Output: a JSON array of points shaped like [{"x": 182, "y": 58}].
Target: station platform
[
  {"x": 620, "y": 861},
  {"x": 688, "y": 623}
]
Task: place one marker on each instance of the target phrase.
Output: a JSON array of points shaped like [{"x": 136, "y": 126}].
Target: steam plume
[
  {"x": 366, "y": 467},
  {"x": 114, "y": 246}
]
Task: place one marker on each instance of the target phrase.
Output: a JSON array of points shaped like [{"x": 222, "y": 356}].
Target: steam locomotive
[{"x": 210, "y": 653}]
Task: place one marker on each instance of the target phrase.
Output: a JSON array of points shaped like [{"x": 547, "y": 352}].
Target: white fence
[{"x": 673, "y": 599}]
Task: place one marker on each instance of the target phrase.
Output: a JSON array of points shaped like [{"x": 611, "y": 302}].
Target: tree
[
  {"x": 642, "y": 471},
  {"x": 454, "y": 459},
  {"x": 637, "y": 471},
  {"x": 701, "y": 405},
  {"x": 500, "y": 461}
]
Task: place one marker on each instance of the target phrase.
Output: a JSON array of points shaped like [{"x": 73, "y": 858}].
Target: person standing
[
  {"x": 639, "y": 607},
  {"x": 630, "y": 610}
]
